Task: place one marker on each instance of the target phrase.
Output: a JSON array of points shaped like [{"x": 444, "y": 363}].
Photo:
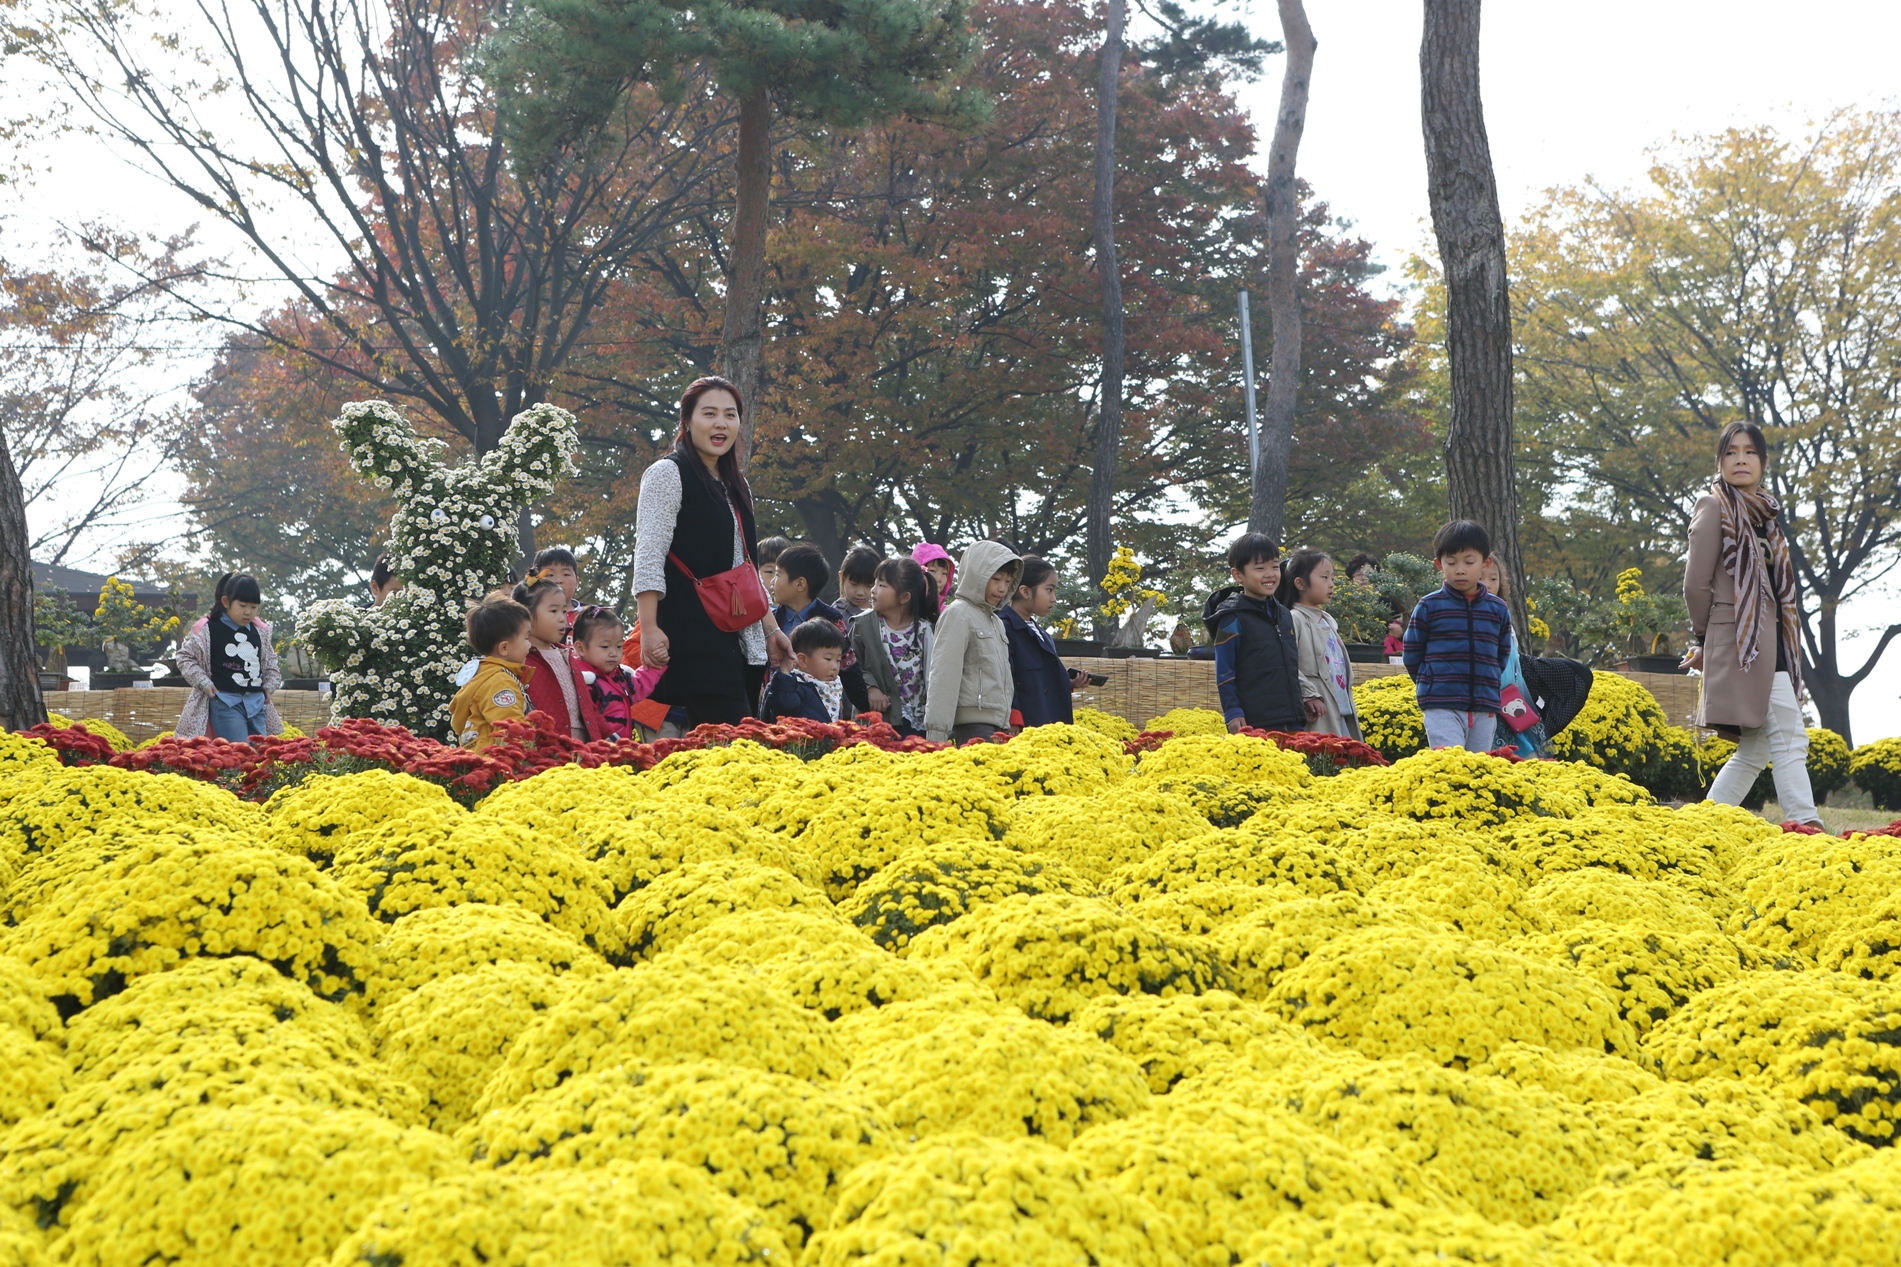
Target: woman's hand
[
  {"x": 1234, "y": 727},
  {"x": 1692, "y": 659},
  {"x": 211, "y": 692},
  {"x": 778, "y": 648},
  {"x": 654, "y": 647},
  {"x": 1078, "y": 678},
  {"x": 878, "y": 700},
  {"x": 1314, "y": 708}
]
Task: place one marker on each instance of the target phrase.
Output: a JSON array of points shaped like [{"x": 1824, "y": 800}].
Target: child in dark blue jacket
[
  {"x": 813, "y": 687},
  {"x": 1257, "y": 659},
  {"x": 802, "y": 574},
  {"x": 1043, "y": 681},
  {"x": 1458, "y": 643}
]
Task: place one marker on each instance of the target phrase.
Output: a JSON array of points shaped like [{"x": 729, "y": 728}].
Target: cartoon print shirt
[{"x": 237, "y": 658}]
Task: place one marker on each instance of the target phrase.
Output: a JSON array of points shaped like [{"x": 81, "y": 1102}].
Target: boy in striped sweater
[{"x": 1458, "y": 643}]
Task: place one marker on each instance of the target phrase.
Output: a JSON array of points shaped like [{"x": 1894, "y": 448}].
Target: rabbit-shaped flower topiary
[{"x": 451, "y": 541}]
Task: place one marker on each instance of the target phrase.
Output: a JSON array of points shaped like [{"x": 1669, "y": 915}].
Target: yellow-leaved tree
[{"x": 1757, "y": 277}]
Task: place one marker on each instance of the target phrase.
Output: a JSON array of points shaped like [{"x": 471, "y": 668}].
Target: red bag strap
[{"x": 679, "y": 563}]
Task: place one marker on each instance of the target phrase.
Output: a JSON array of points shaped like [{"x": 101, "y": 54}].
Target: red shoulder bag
[{"x": 733, "y": 599}]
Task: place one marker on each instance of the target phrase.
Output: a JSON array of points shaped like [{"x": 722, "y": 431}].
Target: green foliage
[
  {"x": 123, "y": 619},
  {"x": 1395, "y": 586},
  {"x": 57, "y": 624}
]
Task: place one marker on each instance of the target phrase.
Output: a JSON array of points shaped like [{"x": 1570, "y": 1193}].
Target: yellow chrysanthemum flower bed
[
  {"x": 1042, "y": 1002},
  {"x": 322, "y": 814}
]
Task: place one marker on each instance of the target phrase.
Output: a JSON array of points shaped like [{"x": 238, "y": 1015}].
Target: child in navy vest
[{"x": 1458, "y": 643}]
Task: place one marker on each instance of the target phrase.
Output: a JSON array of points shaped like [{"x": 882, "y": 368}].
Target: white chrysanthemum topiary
[{"x": 451, "y": 541}]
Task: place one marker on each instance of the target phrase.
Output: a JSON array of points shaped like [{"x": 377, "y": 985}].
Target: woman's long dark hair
[{"x": 737, "y": 490}]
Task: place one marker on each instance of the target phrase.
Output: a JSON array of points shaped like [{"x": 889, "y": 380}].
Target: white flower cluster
[{"x": 451, "y": 540}]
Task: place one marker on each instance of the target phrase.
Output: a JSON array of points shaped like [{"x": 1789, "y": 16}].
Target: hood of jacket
[
  {"x": 1230, "y": 598},
  {"x": 981, "y": 562}
]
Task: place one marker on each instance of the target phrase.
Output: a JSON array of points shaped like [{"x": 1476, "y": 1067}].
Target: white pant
[{"x": 1781, "y": 742}]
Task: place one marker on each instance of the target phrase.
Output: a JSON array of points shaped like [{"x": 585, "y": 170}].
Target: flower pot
[
  {"x": 118, "y": 681},
  {"x": 1081, "y": 647},
  {"x": 1366, "y": 653},
  {"x": 54, "y": 682},
  {"x": 1657, "y": 664}
]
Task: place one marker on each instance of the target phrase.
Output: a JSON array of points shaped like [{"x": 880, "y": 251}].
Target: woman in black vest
[{"x": 696, "y": 506}]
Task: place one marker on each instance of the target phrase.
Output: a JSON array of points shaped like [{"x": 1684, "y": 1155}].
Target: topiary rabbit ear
[
  {"x": 384, "y": 448},
  {"x": 537, "y": 448}
]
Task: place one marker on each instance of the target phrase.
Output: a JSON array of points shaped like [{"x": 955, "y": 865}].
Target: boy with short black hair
[
  {"x": 1458, "y": 643},
  {"x": 811, "y": 687},
  {"x": 498, "y": 630},
  {"x": 855, "y": 577},
  {"x": 802, "y": 576},
  {"x": 1257, "y": 655}
]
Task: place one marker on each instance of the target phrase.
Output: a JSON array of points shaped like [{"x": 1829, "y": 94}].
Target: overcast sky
[{"x": 1571, "y": 90}]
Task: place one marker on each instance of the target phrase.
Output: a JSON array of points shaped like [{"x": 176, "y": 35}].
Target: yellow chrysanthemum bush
[
  {"x": 320, "y": 814},
  {"x": 1455, "y": 999},
  {"x": 553, "y": 800},
  {"x": 1189, "y": 721},
  {"x": 1046, "y": 761},
  {"x": 1108, "y": 724},
  {"x": 1499, "y": 1149},
  {"x": 1390, "y": 720},
  {"x": 930, "y": 885},
  {"x": 163, "y": 900},
  {"x": 1050, "y": 953},
  {"x": 1180, "y": 1035},
  {"x": 960, "y": 1065},
  {"x": 265, "y": 1182},
  {"x": 1094, "y": 836},
  {"x": 56, "y": 805},
  {"x": 32, "y": 1043},
  {"x": 781, "y": 1143},
  {"x": 1470, "y": 789},
  {"x": 442, "y": 941},
  {"x": 448, "y": 1037},
  {"x": 425, "y": 860},
  {"x": 1622, "y": 729},
  {"x": 1258, "y": 947},
  {"x": 680, "y": 903},
  {"x": 1798, "y": 892},
  {"x": 209, "y": 1033},
  {"x": 645, "y": 1213},
  {"x": 655, "y": 1014},
  {"x": 971, "y": 1199},
  {"x": 1828, "y": 1040},
  {"x": 1227, "y": 778},
  {"x": 818, "y": 962},
  {"x": 876, "y": 815},
  {"x": 1876, "y": 769},
  {"x": 669, "y": 832},
  {"x": 1651, "y": 972}
]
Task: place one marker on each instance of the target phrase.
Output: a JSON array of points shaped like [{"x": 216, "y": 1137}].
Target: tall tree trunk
[
  {"x": 1822, "y": 673},
  {"x": 1102, "y": 476},
  {"x": 821, "y": 530},
  {"x": 742, "y": 335},
  {"x": 21, "y": 704},
  {"x": 1480, "y": 469},
  {"x": 1269, "y": 483}
]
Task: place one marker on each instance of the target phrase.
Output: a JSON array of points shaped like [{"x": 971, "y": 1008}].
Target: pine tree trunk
[
  {"x": 21, "y": 704},
  {"x": 1109, "y": 417},
  {"x": 1269, "y": 483},
  {"x": 742, "y": 335},
  {"x": 1480, "y": 470}
]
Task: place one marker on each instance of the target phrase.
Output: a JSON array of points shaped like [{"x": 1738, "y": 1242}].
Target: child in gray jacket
[{"x": 970, "y": 688}]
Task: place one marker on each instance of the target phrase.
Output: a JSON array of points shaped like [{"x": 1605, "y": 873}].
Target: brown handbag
[{"x": 734, "y": 599}]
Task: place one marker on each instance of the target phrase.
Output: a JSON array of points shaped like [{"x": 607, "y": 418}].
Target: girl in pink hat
[{"x": 937, "y": 561}]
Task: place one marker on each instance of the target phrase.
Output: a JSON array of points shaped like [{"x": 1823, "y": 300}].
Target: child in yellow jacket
[{"x": 498, "y": 630}]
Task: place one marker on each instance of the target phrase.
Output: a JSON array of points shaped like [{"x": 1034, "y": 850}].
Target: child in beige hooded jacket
[{"x": 970, "y": 689}]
